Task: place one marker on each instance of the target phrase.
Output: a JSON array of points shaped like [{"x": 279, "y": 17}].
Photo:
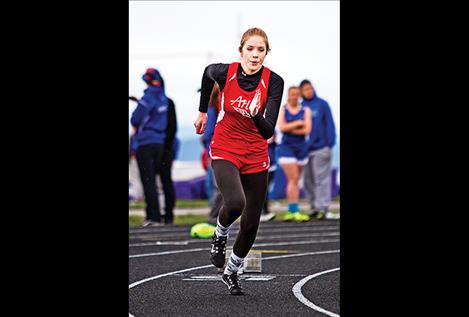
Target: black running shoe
[
  {"x": 217, "y": 253},
  {"x": 232, "y": 281}
]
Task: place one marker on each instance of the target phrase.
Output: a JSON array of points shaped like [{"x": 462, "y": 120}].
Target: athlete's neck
[{"x": 247, "y": 71}]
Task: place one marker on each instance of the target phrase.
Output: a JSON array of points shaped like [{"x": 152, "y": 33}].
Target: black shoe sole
[{"x": 217, "y": 264}]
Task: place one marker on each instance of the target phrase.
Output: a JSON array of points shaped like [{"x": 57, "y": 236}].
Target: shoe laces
[
  {"x": 233, "y": 280},
  {"x": 219, "y": 243}
]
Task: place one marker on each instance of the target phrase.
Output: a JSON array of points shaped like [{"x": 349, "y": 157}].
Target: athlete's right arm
[{"x": 213, "y": 73}]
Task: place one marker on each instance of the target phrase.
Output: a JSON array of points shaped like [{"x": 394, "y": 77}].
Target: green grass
[
  {"x": 198, "y": 203},
  {"x": 280, "y": 215},
  {"x": 135, "y": 221},
  {"x": 180, "y": 203}
]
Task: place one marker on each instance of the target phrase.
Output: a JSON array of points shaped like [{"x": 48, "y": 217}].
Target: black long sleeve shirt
[
  {"x": 171, "y": 127},
  {"x": 265, "y": 123}
]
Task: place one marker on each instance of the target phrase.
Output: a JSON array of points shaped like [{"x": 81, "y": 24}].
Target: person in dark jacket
[
  {"x": 169, "y": 155},
  {"x": 317, "y": 173},
  {"x": 150, "y": 120}
]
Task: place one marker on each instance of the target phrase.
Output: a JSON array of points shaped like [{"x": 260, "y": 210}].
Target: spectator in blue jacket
[
  {"x": 150, "y": 119},
  {"x": 317, "y": 172}
]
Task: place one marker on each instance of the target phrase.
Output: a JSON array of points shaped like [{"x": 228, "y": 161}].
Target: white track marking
[
  {"x": 296, "y": 242},
  {"x": 164, "y": 235},
  {"x": 210, "y": 265},
  {"x": 167, "y": 252},
  {"x": 167, "y": 274},
  {"x": 234, "y": 230},
  {"x": 255, "y": 245},
  {"x": 260, "y": 278},
  {"x": 300, "y": 254},
  {"x": 262, "y": 225},
  {"x": 297, "y": 292},
  {"x": 184, "y": 242},
  {"x": 216, "y": 278},
  {"x": 233, "y": 238}
]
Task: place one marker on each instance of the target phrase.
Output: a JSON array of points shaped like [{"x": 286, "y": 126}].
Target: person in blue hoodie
[
  {"x": 317, "y": 172},
  {"x": 150, "y": 119},
  {"x": 171, "y": 148}
]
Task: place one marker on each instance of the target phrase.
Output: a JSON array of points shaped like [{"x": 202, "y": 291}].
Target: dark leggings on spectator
[{"x": 149, "y": 162}]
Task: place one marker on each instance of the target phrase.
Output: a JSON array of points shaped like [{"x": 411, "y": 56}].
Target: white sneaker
[
  {"x": 151, "y": 223},
  {"x": 267, "y": 217},
  {"x": 332, "y": 215}
]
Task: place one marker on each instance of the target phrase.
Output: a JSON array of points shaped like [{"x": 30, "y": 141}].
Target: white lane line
[
  {"x": 167, "y": 274},
  {"x": 184, "y": 242},
  {"x": 142, "y": 255},
  {"x": 234, "y": 231},
  {"x": 211, "y": 265},
  {"x": 300, "y": 254},
  {"x": 170, "y": 237},
  {"x": 163, "y": 237},
  {"x": 274, "y": 224},
  {"x": 297, "y": 292},
  {"x": 260, "y": 278},
  {"x": 167, "y": 252},
  {"x": 236, "y": 226},
  {"x": 217, "y": 278}
]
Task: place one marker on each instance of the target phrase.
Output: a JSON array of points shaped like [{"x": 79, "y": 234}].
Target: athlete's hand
[
  {"x": 271, "y": 139},
  {"x": 200, "y": 123},
  {"x": 255, "y": 103}
]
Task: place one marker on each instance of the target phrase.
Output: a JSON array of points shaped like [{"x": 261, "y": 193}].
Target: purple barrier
[
  {"x": 280, "y": 183},
  {"x": 195, "y": 188},
  {"x": 191, "y": 189}
]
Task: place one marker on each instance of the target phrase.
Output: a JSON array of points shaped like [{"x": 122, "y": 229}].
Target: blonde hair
[{"x": 252, "y": 32}]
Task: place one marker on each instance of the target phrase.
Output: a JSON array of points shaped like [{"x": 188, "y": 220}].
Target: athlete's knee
[{"x": 235, "y": 203}]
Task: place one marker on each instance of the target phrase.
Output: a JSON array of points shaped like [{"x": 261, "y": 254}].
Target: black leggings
[
  {"x": 243, "y": 195},
  {"x": 149, "y": 162},
  {"x": 167, "y": 184}
]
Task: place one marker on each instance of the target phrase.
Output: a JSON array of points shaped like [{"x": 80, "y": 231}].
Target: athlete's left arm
[{"x": 266, "y": 123}]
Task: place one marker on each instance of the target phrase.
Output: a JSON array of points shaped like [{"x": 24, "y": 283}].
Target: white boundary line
[
  {"x": 167, "y": 252},
  {"x": 142, "y": 255},
  {"x": 210, "y": 265},
  {"x": 270, "y": 229},
  {"x": 297, "y": 292},
  {"x": 184, "y": 242},
  {"x": 262, "y": 225},
  {"x": 147, "y": 235}
]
